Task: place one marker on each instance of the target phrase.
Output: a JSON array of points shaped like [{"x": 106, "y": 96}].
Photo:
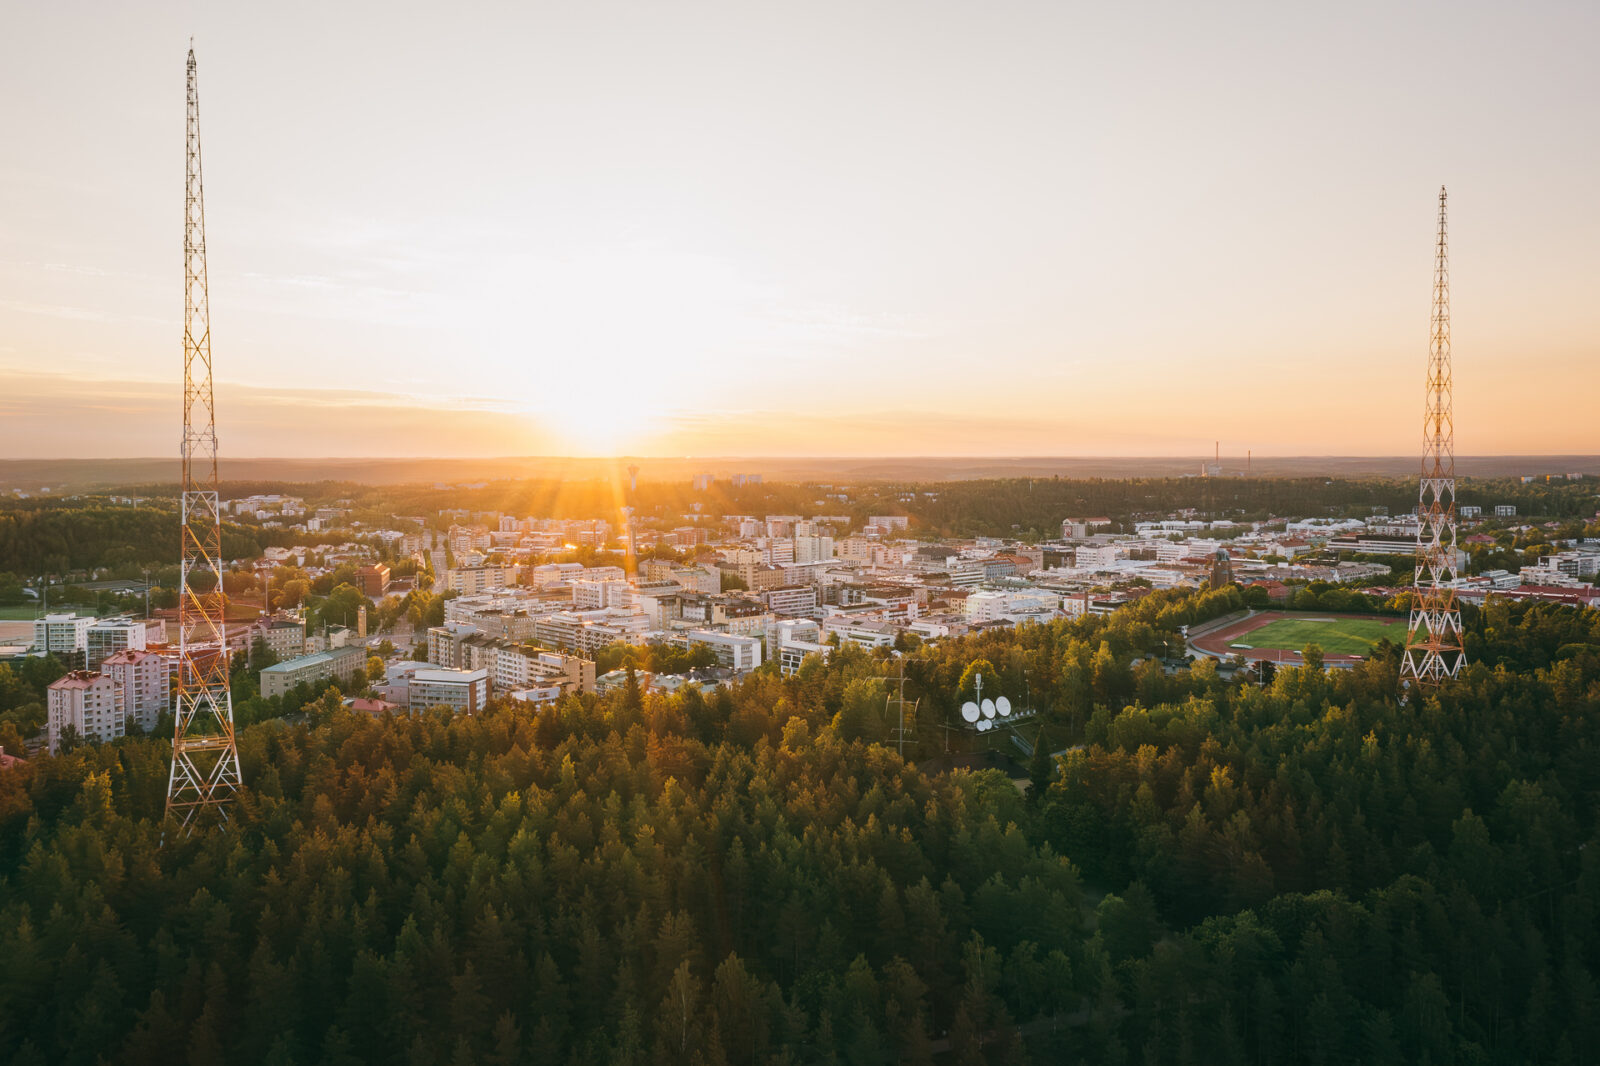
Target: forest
[{"x": 1211, "y": 871}]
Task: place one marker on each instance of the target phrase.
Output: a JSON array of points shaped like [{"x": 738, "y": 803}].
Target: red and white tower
[
  {"x": 205, "y": 758},
  {"x": 1433, "y": 639}
]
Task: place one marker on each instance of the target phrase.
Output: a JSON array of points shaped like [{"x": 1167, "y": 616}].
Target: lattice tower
[
  {"x": 205, "y": 758},
  {"x": 1433, "y": 639}
]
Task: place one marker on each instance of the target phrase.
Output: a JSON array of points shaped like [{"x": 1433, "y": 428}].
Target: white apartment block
[
  {"x": 740, "y": 653},
  {"x": 472, "y": 580},
  {"x": 792, "y": 601},
  {"x": 790, "y": 640},
  {"x": 778, "y": 551},
  {"x": 445, "y": 642},
  {"x": 993, "y": 605},
  {"x": 588, "y": 631},
  {"x": 517, "y": 668},
  {"x": 1099, "y": 557},
  {"x": 697, "y": 579},
  {"x": 146, "y": 682},
  {"x": 866, "y": 634},
  {"x": 590, "y": 595},
  {"x": 109, "y": 636},
  {"x": 812, "y": 549},
  {"x": 64, "y": 635},
  {"x": 966, "y": 574},
  {"x": 463, "y": 539},
  {"x": 549, "y": 574},
  {"x": 89, "y": 704},
  {"x": 463, "y": 691}
]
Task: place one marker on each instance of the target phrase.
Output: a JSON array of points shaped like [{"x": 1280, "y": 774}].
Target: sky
[{"x": 1020, "y": 227}]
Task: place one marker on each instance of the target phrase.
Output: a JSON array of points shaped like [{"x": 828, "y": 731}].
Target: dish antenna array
[{"x": 984, "y": 715}]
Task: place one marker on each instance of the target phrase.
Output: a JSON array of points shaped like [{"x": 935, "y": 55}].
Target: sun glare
[{"x": 610, "y": 425}]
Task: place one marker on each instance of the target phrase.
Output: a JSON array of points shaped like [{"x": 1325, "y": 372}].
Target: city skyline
[{"x": 730, "y": 232}]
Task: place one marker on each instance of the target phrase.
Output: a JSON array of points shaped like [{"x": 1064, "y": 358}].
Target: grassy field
[
  {"x": 27, "y": 612},
  {"x": 1337, "y": 636}
]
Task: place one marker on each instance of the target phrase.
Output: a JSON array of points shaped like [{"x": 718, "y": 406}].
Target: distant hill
[{"x": 79, "y": 475}]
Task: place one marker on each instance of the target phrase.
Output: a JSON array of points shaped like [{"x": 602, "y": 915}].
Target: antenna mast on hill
[
  {"x": 1433, "y": 639},
  {"x": 205, "y": 758}
]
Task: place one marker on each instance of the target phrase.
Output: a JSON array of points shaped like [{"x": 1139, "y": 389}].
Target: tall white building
[
  {"x": 109, "y": 636},
  {"x": 812, "y": 549},
  {"x": 64, "y": 635},
  {"x": 146, "y": 685},
  {"x": 595, "y": 595},
  {"x": 89, "y": 704}
]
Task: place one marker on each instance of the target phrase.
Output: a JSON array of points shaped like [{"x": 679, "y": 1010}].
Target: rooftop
[{"x": 314, "y": 659}]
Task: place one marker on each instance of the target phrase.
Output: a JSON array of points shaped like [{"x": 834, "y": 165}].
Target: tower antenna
[
  {"x": 205, "y": 757},
  {"x": 1433, "y": 638}
]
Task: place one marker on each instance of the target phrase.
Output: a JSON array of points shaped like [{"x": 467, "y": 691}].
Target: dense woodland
[{"x": 1306, "y": 872}]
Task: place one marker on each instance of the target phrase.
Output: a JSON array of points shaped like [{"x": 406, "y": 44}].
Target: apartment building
[
  {"x": 108, "y": 636},
  {"x": 472, "y": 580},
  {"x": 88, "y": 704},
  {"x": 462, "y": 691},
  {"x": 145, "y": 681},
  {"x": 336, "y": 664},
  {"x": 65, "y": 636},
  {"x": 739, "y": 653}
]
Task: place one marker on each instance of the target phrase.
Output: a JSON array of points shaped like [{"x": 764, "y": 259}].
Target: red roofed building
[
  {"x": 1276, "y": 590},
  {"x": 374, "y": 707},
  {"x": 8, "y": 761},
  {"x": 90, "y": 705},
  {"x": 145, "y": 680}
]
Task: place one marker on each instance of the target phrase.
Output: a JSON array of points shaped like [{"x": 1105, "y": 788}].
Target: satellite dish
[
  {"x": 988, "y": 708},
  {"x": 969, "y": 711},
  {"x": 1002, "y": 707},
  {"x": 983, "y": 726}
]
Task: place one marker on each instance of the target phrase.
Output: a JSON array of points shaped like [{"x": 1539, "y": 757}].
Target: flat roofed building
[
  {"x": 463, "y": 691},
  {"x": 470, "y": 580},
  {"x": 739, "y": 653},
  {"x": 109, "y": 636},
  {"x": 793, "y": 601},
  {"x": 336, "y": 664},
  {"x": 65, "y": 635},
  {"x": 284, "y": 637},
  {"x": 445, "y": 643}
]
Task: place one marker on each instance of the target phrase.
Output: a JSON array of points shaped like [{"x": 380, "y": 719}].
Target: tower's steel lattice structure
[
  {"x": 1433, "y": 639},
  {"x": 205, "y": 758}
]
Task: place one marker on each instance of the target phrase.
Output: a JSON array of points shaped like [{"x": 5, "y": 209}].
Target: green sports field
[{"x": 1336, "y": 636}]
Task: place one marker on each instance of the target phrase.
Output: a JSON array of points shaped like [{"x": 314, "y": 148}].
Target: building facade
[
  {"x": 146, "y": 685},
  {"x": 336, "y": 664},
  {"x": 462, "y": 691},
  {"x": 88, "y": 705}
]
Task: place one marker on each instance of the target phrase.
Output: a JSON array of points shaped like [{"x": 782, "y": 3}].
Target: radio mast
[
  {"x": 205, "y": 758},
  {"x": 1433, "y": 638}
]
